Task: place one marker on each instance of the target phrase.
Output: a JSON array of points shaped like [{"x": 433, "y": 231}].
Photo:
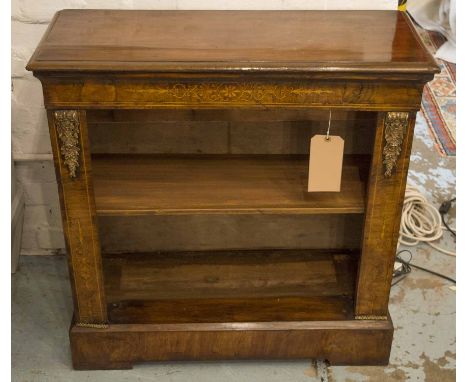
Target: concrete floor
[{"x": 422, "y": 307}]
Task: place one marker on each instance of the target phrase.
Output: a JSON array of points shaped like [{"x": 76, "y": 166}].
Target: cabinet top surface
[{"x": 227, "y": 41}]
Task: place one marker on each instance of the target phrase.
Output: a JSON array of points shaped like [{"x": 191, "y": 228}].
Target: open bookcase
[
  {"x": 181, "y": 142},
  {"x": 264, "y": 249}
]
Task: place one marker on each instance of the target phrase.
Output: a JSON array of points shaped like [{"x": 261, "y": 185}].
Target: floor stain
[
  {"x": 398, "y": 297},
  {"x": 311, "y": 371},
  {"x": 373, "y": 374},
  {"x": 429, "y": 283},
  {"x": 435, "y": 373},
  {"x": 443, "y": 361}
]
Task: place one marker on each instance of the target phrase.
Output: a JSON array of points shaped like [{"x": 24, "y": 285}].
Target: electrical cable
[
  {"x": 443, "y": 210},
  {"x": 422, "y": 222},
  {"x": 407, "y": 267},
  {"x": 447, "y": 227}
]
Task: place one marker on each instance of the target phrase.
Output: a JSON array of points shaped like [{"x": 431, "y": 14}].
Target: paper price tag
[{"x": 325, "y": 163}]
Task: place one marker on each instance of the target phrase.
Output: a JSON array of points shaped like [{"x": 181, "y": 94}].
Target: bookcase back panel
[
  {"x": 211, "y": 232},
  {"x": 211, "y": 132}
]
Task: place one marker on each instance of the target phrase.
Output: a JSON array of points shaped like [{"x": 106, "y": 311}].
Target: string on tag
[{"x": 327, "y": 138}]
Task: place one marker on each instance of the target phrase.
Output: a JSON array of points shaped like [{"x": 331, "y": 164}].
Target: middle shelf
[{"x": 212, "y": 184}]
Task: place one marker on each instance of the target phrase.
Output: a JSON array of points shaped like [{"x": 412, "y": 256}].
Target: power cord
[
  {"x": 443, "y": 210},
  {"x": 406, "y": 268},
  {"x": 422, "y": 222}
]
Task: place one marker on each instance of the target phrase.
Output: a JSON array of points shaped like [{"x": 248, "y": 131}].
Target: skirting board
[
  {"x": 17, "y": 217},
  {"x": 350, "y": 342}
]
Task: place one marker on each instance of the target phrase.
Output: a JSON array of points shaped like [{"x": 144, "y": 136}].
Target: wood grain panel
[
  {"x": 151, "y": 185},
  {"x": 150, "y": 233},
  {"x": 382, "y": 221},
  {"x": 214, "y": 274},
  {"x": 265, "y": 309},
  {"x": 79, "y": 216},
  {"x": 286, "y": 41},
  {"x": 222, "y": 115},
  {"x": 350, "y": 342},
  {"x": 230, "y": 286},
  {"x": 185, "y": 136}
]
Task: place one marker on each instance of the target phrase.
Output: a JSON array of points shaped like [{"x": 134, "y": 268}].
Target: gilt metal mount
[
  {"x": 67, "y": 124},
  {"x": 396, "y": 124}
]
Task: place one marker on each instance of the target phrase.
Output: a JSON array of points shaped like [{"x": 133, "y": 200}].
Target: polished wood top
[{"x": 232, "y": 41}]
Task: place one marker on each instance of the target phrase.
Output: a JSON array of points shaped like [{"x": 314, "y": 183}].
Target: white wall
[{"x": 42, "y": 233}]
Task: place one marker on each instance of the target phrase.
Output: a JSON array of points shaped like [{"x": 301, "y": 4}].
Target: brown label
[{"x": 325, "y": 163}]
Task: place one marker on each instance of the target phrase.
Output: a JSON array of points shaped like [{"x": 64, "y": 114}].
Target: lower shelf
[
  {"x": 229, "y": 305},
  {"x": 230, "y": 286}
]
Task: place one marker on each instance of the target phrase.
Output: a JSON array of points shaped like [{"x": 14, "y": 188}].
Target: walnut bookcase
[{"x": 323, "y": 292}]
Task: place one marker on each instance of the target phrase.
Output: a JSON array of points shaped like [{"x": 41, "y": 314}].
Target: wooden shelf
[
  {"x": 158, "y": 184},
  {"x": 230, "y": 286}
]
